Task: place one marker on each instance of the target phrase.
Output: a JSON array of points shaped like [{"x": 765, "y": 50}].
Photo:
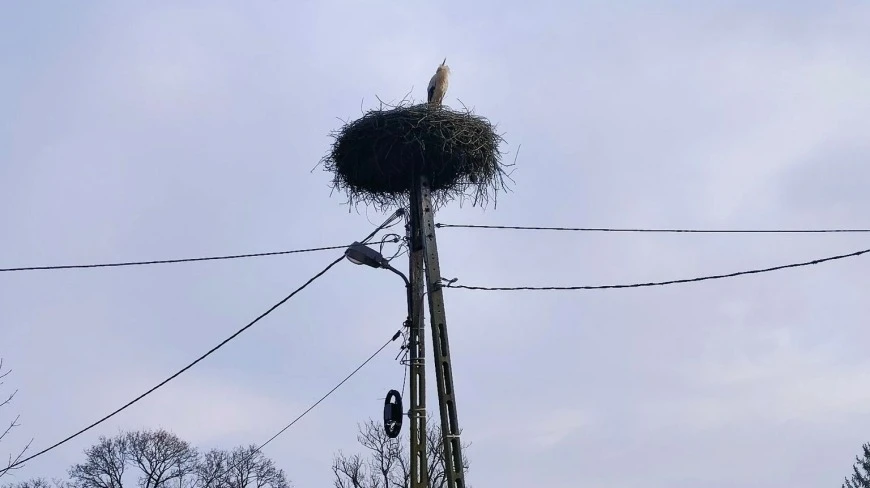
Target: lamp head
[{"x": 359, "y": 253}]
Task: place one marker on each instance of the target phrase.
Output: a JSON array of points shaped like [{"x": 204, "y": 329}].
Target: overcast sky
[{"x": 169, "y": 129}]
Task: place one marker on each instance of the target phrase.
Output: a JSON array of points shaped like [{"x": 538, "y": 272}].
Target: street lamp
[{"x": 359, "y": 253}]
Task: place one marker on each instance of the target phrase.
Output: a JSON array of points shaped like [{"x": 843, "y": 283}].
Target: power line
[
  {"x": 173, "y": 261},
  {"x": 179, "y": 372},
  {"x": 661, "y": 283},
  {"x": 212, "y": 350},
  {"x": 312, "y": 407},
  {"x": 661, "y": 230}
]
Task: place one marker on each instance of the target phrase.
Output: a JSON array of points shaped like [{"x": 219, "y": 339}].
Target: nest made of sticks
[{"x": 374, "y": 158}]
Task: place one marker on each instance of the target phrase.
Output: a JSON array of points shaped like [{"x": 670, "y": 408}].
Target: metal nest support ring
[{"x": 393, "y": 414}]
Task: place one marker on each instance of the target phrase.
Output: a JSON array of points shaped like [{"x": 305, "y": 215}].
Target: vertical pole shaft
[
  {"x": 453, "y": 465},
  {"x": 417, "y": 412}
]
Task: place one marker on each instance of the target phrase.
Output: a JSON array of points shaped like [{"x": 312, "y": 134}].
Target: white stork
[{"x": 438, "y": 84}]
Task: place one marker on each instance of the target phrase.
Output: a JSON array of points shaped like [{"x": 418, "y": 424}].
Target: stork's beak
[{"x": 442, "y": 62}]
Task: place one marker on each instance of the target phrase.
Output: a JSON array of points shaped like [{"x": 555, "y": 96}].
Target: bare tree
[
  {"x": 161, "y": 457},
  {"x": 243, "y": 467},
  {"x": 39, "y": 483},
  {"x": 250, "y": 468},
  {"x": 210, "y": 469},
  {"x": 388, "y": 464},
  {"x": 13, "y": 460},
  {"x": 104, "y": 465},
  {"x": 351, "y": 472},
  {"x": 164, "y": 460},
  {"x": 33, "y": 483}
]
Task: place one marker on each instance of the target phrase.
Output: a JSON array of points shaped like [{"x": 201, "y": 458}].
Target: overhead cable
[
  {"x": 179, "y": 260},
  {"x": 656, "y": 230},
  {"x": 309, "y": 409},
  {"x": 389, "y": 220},
  {"x": 452, "y": 283}
]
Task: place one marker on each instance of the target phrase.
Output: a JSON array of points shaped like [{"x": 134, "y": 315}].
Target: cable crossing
[{"x": 250, "y": 324}]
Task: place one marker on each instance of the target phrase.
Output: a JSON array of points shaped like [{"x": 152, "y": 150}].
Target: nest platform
[{"x": 375, "y": 158}]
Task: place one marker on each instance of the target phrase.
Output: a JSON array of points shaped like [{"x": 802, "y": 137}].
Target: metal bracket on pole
[
  {"x": 417, "y": 412},
  {"x": 453, "y": 460}
]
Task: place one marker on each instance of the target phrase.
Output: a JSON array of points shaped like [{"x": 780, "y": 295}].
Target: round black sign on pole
[{"x": 393, "y": 414}]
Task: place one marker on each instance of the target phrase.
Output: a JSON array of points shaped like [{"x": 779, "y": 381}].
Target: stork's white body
[{"x": 438, "y": 84}]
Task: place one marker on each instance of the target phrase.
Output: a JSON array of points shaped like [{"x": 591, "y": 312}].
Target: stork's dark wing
[{"x": 431, "y": 92}]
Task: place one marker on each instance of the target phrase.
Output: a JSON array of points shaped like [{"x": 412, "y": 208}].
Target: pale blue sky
[{"x": 171, "y": 129}]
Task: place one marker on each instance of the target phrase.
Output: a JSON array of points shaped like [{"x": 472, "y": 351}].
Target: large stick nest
[{"x": 374, "y": 158}]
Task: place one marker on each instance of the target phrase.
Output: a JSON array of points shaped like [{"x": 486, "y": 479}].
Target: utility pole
[
  {"x": 416, "y": 343},
  {"x": 421, "y": 204}
]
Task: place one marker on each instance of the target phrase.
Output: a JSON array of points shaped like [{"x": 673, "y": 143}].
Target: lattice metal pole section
[
  {"x": 416, "y": 343},
  {"x": 453, "y": 464}
]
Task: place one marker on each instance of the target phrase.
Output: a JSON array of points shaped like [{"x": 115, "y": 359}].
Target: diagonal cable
[
  {"x": 309, "y": 409},
  {"x": 197, "y": 360}
]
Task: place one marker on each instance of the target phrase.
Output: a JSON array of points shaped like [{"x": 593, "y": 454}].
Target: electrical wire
[
  {"x": 404, "y": 374},
  {"x": 210, "y": 351},
  {"x": 309, "y": 409},
  {"x": 180, "y": 260},
  {"x": 179, "y": 372},
  {"x": 660, "y": 283},
  {"x": 663, "y": 230},
  {"x": 400, "y": 251},
  {"x": 393, "y": 238}
]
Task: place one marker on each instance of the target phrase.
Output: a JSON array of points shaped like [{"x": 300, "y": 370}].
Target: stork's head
[{"x": 443, "y": 68}]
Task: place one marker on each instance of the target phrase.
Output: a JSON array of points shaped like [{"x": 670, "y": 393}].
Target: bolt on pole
[{"x": 453, "y": 459}]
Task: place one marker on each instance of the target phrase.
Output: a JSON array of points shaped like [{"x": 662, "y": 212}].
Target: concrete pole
[
  {"x": 454, "y": 471},
  {"x": 416, "y": 343}
]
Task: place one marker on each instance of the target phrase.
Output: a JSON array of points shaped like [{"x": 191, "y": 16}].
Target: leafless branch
[
  {"x": 8, "y": 399},
  {"x": 388, "y": 462},
  {"x": 13, "y": 459},
  {"x": 163, "y": 460}
]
